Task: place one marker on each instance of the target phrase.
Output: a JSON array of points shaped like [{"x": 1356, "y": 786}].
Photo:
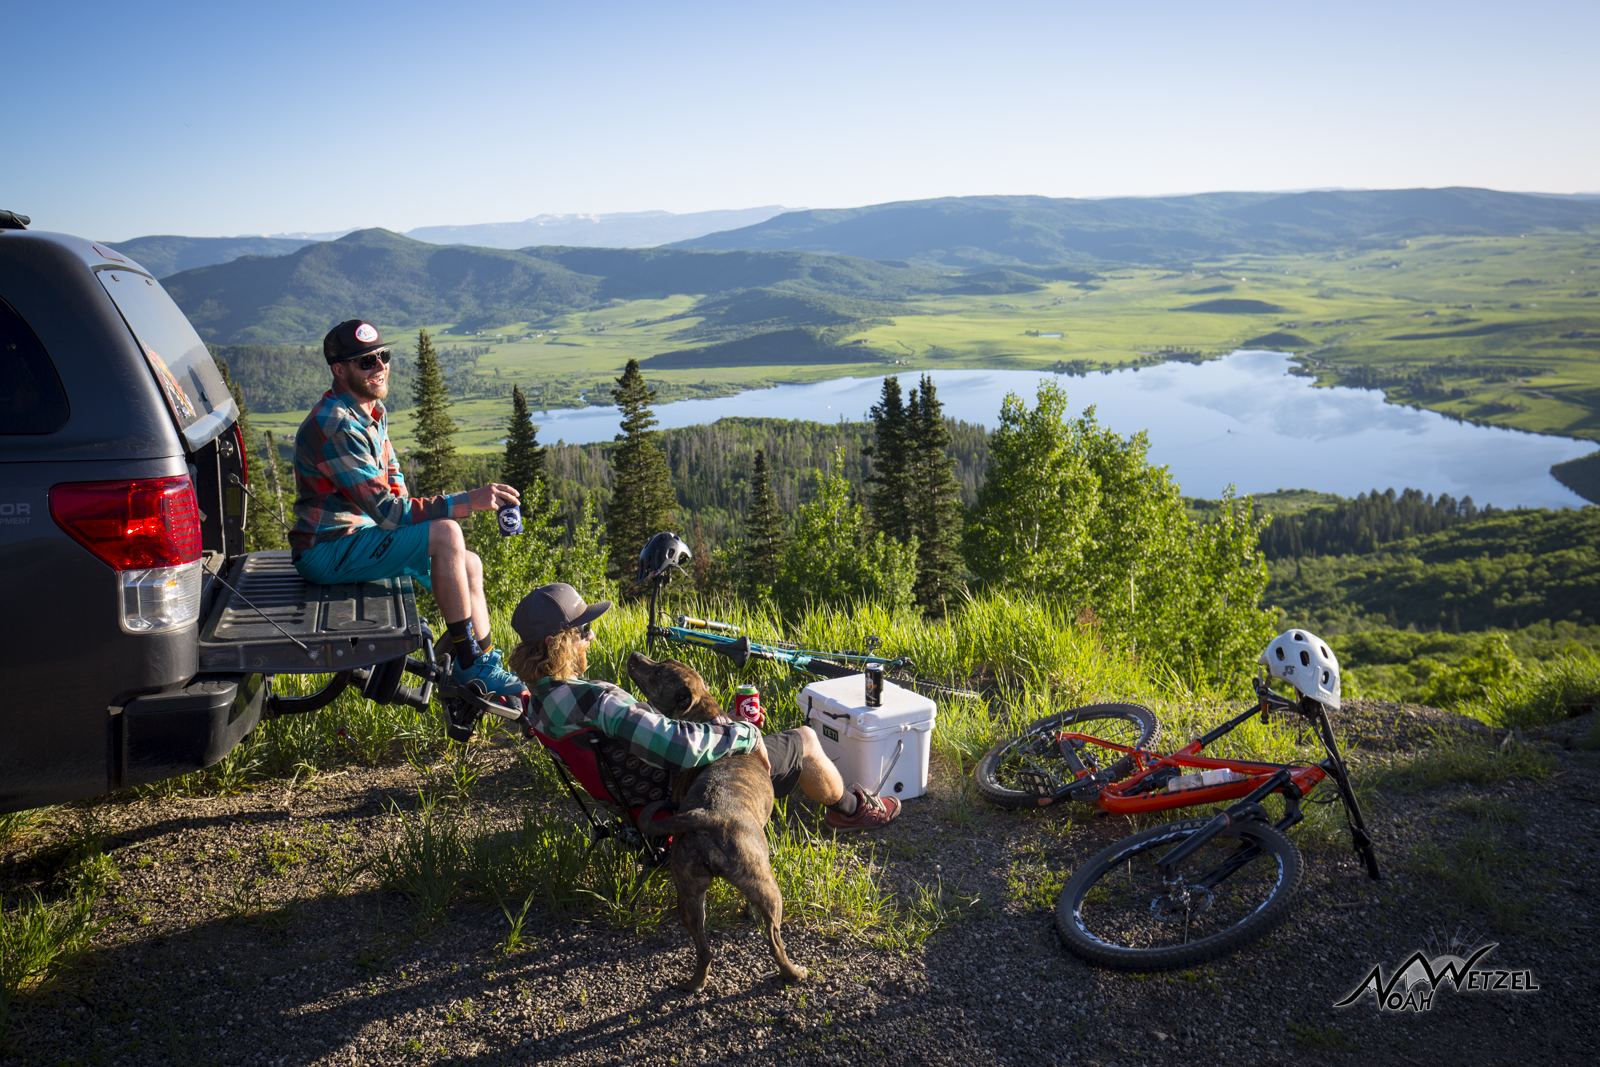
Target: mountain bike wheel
[
  {"x": 1036, "y": 750},
  {"x": 1116, "y": 910}
]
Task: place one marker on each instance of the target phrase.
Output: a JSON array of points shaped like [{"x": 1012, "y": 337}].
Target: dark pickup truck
[{"x": 141, "y": 639}]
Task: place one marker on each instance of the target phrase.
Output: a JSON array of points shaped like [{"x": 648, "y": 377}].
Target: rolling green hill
[
  {"x": 376, "y": 275},
  {"x": 165, "y": 256},
  {"x": 392, "y": 279},
  {"x": 1508, "y": 570},
  {"x": 967, "y": 231}
]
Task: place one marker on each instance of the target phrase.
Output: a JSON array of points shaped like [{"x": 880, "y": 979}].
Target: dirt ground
[{"x": 241, "y": 935}]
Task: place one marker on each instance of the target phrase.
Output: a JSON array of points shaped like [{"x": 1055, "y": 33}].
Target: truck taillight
[
  {"x": 244, "y": 457},
  {"x": 131, "y": 525}
]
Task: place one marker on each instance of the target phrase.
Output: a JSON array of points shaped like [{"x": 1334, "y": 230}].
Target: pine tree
[
  {"x": 890, "y": 500},
  {"x": 438, "y": 467},
  {"x": 642, "y": 500},
  {"x": 274, "y": 467},
  {"x": 261, "y": 529},
  {"x": 524, "y": 463},
  {"x": 764, "y": 534},
  {"x": 935, "y": 502}
]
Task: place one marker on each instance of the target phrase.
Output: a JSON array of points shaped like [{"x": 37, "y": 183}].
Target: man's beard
[{"x": 362, "y": 387}]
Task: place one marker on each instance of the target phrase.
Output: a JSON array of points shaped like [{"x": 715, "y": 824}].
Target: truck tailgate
[{"x": 266, "y": 619}]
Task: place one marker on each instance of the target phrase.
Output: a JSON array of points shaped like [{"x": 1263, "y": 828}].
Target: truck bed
[{"x": 266, "y": 619}]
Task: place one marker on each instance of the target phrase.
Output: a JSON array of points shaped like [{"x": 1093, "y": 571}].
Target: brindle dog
[{"x": 720, "y": 827}]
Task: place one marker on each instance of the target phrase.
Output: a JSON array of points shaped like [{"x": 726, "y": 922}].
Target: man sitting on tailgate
[{"x": 355, "y": 522}]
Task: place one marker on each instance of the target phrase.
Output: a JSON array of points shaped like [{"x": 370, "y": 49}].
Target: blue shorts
[{"x": 369, "y": 555}]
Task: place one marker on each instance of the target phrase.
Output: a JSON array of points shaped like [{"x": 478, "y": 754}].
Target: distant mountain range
[
  {"x": 167, "y": 255},
  {"x": 969, "y": 231},
  {"x": 634, "y": 229},
  {"x": 398, "y": 281},
  {"x": 802, "y": 269}
]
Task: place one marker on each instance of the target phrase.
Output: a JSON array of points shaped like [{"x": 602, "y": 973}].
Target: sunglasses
[
  {"x": 586, "y": 633},
  {"x": 370, "y": 361}
]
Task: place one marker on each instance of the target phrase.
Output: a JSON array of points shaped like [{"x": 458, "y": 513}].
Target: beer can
[
  {"x": 510, "y": 520},
  {"x": 743, "y": 698},
  {"x": 874, "y": 674}
]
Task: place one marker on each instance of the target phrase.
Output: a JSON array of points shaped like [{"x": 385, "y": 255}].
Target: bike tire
[
  {"x": 1125, "y": 724},
  {"x": 1116, "y": 912}
]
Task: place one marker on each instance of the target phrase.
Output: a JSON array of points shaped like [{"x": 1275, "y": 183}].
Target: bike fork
[{"x": 1341, "y": 780}]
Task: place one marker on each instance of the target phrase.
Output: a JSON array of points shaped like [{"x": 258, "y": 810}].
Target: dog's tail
[{"x": 688, "y": 822}]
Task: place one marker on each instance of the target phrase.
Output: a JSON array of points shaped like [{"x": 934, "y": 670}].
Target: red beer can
[{"x": 747, "y": 704}]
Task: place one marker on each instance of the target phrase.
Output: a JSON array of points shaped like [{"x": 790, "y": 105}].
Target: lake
[{"x": 1242, "y": 420}]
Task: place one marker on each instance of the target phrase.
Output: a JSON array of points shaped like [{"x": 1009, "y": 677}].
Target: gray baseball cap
[{"x": 550, "y": 609}]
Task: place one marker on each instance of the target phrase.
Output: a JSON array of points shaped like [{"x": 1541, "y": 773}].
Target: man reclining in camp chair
[
  {"x": 554, "y": 627},
  {"x": 355, "y": 522}
]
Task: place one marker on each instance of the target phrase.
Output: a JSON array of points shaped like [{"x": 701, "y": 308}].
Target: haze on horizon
[{"x": 197, "y": 119}]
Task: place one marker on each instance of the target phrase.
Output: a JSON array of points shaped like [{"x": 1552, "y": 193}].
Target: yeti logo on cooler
[{"x": 830, "y": 733}]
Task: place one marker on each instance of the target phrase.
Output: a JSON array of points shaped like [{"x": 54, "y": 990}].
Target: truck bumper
[{"x": 168, "y": 734}]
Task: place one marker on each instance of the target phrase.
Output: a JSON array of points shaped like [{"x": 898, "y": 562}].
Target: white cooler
[{"x": 863, "y": 742}]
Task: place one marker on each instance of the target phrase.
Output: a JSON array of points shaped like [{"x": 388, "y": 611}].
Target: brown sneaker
[{"x": 871, "y": 812}]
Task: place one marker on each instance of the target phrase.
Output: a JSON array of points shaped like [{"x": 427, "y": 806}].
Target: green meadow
[{"x": 1503, "y": 331}]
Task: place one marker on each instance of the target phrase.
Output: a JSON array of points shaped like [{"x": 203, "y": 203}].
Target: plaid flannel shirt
[
  {"x": 347, "y": 479},
  {"x": 565, "y": 706}
]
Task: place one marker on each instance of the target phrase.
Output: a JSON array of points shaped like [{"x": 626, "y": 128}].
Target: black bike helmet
[{"x": 661, "y": 552}]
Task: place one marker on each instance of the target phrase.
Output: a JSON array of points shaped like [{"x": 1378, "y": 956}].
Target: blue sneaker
[{"x": 489, "y": 676}]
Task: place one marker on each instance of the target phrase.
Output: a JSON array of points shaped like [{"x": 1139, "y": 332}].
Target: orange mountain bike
[{"x": 1186, "y": 891}]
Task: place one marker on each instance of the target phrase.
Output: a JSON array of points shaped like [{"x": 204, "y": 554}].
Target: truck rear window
[
  {"x": 31, "y": 397},
  {"x": 187, "y": 374}
]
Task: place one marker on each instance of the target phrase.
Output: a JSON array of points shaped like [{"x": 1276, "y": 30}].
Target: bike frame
[
  {"x": 1138, "y": 793},
  {"x": 719, "y": 638}
]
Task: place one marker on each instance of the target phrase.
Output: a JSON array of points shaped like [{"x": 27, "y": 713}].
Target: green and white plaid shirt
[{"x": 565, "y": 706}]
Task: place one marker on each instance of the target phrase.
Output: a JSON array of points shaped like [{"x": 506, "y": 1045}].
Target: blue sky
[{"x": 205, "y": 119}]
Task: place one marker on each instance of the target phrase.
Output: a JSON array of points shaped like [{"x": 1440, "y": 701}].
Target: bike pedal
[
  {"x": 461, "y": 713},
  {"x": 1038, "y": 785}
]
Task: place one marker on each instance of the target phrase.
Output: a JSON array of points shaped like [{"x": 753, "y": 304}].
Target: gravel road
[{"x": 238, "y": 936}]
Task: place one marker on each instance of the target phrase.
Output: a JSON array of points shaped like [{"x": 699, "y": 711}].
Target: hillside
[
  {"x": 376, "y": 274},
  {"x": 165, "y": 256},
  {"x": 1507, "y": 570},
  {"x": 974, "y": 230},
  {"x": 394, "y": 280}
]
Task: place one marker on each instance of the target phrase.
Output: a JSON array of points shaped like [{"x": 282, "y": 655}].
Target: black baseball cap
[
  {"x": 550, "y": 609},
  {"x": 350, "y": 339}
]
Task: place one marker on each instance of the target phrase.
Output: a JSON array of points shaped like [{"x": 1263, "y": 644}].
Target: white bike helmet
[{"x": 1305, "y": 661}]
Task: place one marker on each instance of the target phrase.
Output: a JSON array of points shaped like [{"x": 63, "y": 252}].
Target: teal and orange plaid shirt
[
  {"x": 347, "y": 479},
  {"x": 560, "y": 707}
]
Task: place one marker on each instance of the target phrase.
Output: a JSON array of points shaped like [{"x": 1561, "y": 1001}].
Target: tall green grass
[
  {"x": 1542, "y": 692},
  {"x": 1028, "y": 658},
  {"x": 39, "y": 939}
]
